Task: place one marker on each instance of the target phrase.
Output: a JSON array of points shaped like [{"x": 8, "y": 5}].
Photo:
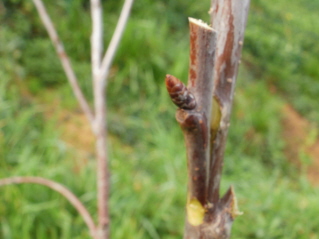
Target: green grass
[
  {"x": 280, "y": 44},
  {"x": 146, "y": 148}
]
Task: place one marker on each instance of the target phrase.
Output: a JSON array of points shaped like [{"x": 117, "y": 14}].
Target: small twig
[
  {"x": 60, "y": 189},
  {"x": 64, "y": 60},
  {"x": 109, "y": 55},
  {"x": 96, "y": 38}
]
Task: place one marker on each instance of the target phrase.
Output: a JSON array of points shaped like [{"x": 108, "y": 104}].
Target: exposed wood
[{"x": 220, "y": 227}]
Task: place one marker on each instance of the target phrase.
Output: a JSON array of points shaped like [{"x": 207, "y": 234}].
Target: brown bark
[
  {"x": 204, "y": 115},
  {"x": 194, "y": 120},
  {"x": 228, "y": 52}
]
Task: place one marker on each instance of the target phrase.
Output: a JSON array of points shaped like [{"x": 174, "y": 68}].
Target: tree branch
[
  {"x": 229, "y": 19},
  {"x": 109, "y": 55},
  {"x": 96, "y": 38},
  {"x": 100, "y": 72},
  {"x": 64, "y": 60},
  {"x": 60, "y": 189},
  {"x": 195, "y": 117},
  {"x": 204, "y": 114},
  {"x": 100, "y": 124},
  {"x": 100, "y": 69}
]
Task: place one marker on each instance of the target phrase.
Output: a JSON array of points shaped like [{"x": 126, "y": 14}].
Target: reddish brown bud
[{"x": 179, "y": 93}]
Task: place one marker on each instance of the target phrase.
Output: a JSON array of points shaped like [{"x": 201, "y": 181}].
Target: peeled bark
[
  {"x": 229, "y": 20},
  {"x": 204, "y": 115}
]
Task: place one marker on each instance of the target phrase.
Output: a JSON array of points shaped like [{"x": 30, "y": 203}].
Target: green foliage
[
  {"x": 50, "y": 69},
  {"x": 29, "y": 146},
  {"x": 146, "y": 148},
  {"x": 281, "y": 44}
]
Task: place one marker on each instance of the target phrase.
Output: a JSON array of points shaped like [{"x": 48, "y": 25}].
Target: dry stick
[
  {"x": 96, "y": 38},
  {"x": 60, "y": 189},
  {"x": 100, "y": 72},
  {"x": 109, "y": 55},
  {"x": 84, "y": 105},
  {"x": 100, "y": 121},
  {"x": 64, "y": 60}
]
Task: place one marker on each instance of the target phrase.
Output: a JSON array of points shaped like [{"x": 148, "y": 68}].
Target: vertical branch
[
  {"x": 194, "y": 114},
  {"x": 229, "y": 19},
  {"x": 64, "y": 60},
  {"x": 202, "y": 55},
  {"x": 96, "y": 38},
  {"x": 205, "y": 123},
  {"x": 100, "y": 121},
  {"x": 100, "y": 70},
  {"x": 202, "y": 59}
]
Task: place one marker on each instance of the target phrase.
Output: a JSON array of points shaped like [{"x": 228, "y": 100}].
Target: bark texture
[
  {"x": 229, "y": 20},
  {"x": 204, "y": 115}
]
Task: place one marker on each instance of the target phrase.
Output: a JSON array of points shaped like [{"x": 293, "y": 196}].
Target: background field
[{"x": 272, "y": 151}]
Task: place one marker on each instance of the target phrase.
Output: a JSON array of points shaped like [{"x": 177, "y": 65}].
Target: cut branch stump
[{"x": 204, "y": 109}]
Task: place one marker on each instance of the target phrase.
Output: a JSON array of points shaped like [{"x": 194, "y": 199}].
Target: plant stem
[
  {"x": 109, "y": 55},
  {"x": 195, "y": 121},
  {"x": 60, "y": 189},
  {"x": 100, "y": 120},
  {"x": 100, "y": 68},
  {"x": 64, "y": 60},
  {"x": 229, "y": 20},
  {"x": 210, "y": 88}
]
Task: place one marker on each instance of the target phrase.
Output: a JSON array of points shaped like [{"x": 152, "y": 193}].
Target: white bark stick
[
  {"x": 100, "y": 69},
  {"x": 109, "y": 55},
  {"x": 64, "y": 60},
  {"x": 96, "y": 38},
  {"x": 60, "y": 189},
  {"x": 100, "y": 121}
]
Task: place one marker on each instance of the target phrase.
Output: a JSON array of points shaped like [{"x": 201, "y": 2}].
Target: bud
[{"x": 179, "y": 93}]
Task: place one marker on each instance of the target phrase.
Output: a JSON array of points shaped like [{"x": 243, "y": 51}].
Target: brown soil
[
  {"x": 74, "y": 130},
  {"x": 302, "y": 143}
]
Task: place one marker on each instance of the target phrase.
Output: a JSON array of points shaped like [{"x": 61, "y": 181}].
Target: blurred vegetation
[
  {"x": 146, "y": 148},
  {"x": 280, "y": 47}
]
